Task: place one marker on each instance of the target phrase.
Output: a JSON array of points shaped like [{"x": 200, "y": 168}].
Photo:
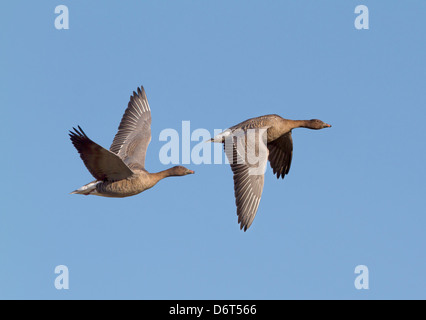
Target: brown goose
[
  {"x": 120, "y": 172},
  {"x": 248, "y": 145}
]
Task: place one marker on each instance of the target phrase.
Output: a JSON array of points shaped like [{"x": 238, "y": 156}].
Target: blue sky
[{"x": 354, "y": 195}]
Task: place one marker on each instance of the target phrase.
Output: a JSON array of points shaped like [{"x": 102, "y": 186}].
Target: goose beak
[
  {"x": 328, "y": 125},
  {"x": 191, "y": 172}
]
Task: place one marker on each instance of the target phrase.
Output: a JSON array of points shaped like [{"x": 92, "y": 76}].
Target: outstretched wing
[
  {"x": 280, "y": 154},
  {"x": 101, "y": 163},
  {"x": 248, "y": 175},
  {"x": 134, "y": 133}
]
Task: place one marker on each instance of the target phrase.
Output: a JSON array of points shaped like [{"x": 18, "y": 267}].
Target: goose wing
[
  {"x": 280, "y": 154},
  {"x": 134, "y": 132},
  {"x": 247, "y": 156},
  {"x": 101, "y": 163}
]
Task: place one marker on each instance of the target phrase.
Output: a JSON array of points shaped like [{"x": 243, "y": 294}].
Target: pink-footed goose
[
  {"x": 271, "y": 140},
  {"x": 120, "y": 172}
]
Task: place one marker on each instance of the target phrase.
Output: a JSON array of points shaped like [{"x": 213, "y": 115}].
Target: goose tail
[
  {"x": 220, "y": 138},
  {"x": 86, "y": 189}
]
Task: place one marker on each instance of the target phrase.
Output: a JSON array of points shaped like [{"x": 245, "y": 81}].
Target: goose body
[
  {"x": 120, "y": 172},
  {"x": 135, "y": 184},
  {"x": 272, "y": 140}
]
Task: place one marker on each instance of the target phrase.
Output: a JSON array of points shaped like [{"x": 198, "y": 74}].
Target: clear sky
[{"x": 354, "y": 195}]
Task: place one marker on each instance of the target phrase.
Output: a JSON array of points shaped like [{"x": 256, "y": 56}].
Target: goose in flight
[
  {"x": 248, "y": 146},
  {"x": 120, "y": 171}
]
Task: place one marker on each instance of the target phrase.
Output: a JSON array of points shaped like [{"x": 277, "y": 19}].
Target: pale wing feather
[
  {"x": 248, "y": 174},
  {"x": 134, "y": 132}
]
